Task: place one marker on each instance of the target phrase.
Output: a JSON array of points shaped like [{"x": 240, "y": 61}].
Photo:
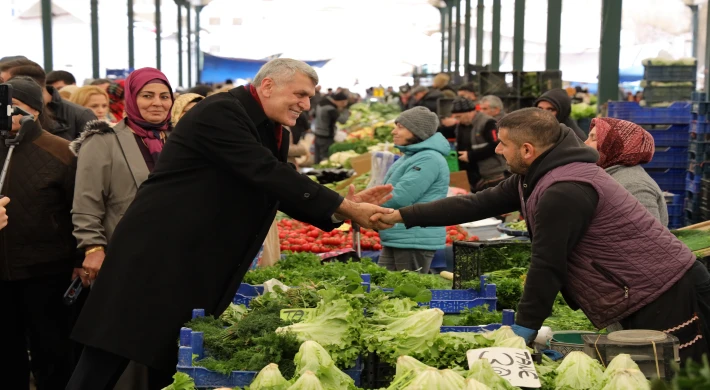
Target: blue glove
[
  {"x": 527, "y": 334},
  {"x": 554, "y": 355}
]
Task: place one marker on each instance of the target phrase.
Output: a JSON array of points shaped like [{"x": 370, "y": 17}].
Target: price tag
[
  {"x": 512, "y": 364},
  {"x": 295, "y": 315}
]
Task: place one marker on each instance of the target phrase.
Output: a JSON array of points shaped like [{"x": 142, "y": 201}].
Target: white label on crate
[{"x": 514, "y": 365}]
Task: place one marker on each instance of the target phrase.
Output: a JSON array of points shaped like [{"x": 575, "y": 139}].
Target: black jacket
[
  {"x": 563, "y": 215},
  {"x": 38, "y": 239},
  {"x": 558, "y": 97},
  {"x": 429, "y": 100},
  {"x": 71, "y": 118},
  {"x": 194, "y": 228}
]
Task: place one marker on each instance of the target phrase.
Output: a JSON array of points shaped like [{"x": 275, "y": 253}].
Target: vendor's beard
[{"x": 517, "y": 165}]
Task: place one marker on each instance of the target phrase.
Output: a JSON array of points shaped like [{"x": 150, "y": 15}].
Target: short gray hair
[
  {"x": 281, "y": 69},
  {"x": 493, "y": 101}
]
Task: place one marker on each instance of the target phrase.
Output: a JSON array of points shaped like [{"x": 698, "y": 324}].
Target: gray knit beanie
[{"x": 420, "y": 121}]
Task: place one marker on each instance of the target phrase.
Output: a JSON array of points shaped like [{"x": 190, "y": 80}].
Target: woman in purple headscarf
[{"x": 114, "y": 161}]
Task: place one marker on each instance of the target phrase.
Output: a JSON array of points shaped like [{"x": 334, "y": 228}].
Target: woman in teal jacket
[{"x": 420, "y": 176}]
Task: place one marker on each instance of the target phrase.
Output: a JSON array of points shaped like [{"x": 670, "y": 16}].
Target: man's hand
[
  {"x": 386, "y": 221},
  {"x": 3, "y": 212},
  {"x": 448, "y": 122},
  {"x": 80, "y": 273},
  {"x": 463, "y": 156},
  {"x": 92, "y": 265},
  {"x": 377, "y": 195},
  {"x": 361, "y": 213}
]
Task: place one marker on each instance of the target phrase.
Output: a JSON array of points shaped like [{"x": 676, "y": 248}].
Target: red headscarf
[
  {"x": 115, "y": 98},
  {"x": 622, "y": 143},
  {"x": 152, "y": 134}
]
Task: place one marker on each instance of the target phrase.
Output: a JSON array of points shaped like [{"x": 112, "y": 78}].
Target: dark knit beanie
[
  {"x": 27, "y": 91},
  {"x": 462, "y": 105},
  {"x": 340, "y": 96}
]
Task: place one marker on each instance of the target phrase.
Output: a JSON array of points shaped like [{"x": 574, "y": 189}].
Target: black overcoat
[{"x": 194, "y": 227}]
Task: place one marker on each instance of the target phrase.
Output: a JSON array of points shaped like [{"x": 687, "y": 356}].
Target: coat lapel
[
  {"x": 134, "y": 158},
  {"x": 264, "y": 126}
]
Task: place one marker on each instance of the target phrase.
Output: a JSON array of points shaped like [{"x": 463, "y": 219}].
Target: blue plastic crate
[
  {"x": 700, "y": 107},
  {"x": 698, "y": 146},
  {"x": 192, "y": 343},
  {"x": 455, "y": 301},
  {"x": 675, "y": 210},
  {"x": 508, "y": 319},
  {"x": 670, "y": 135},
  {"x": 677, "y": 198},
  {"x": 670, "y": 180},
  {"x": 676, "y": 222},
  {"x": 676, "y": 113},
  {"x": 669, "y": 158},
  {"x": 692, "y": 183}
]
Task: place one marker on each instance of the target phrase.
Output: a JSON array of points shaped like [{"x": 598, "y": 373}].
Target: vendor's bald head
[{"x": 526, "y": 134}]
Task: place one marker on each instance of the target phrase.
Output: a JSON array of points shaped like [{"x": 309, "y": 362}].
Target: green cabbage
[
  {"x": 410, "y": 335},
  {"x": 406, "y": 364},
  {"x": 472, "y": 384},
  {"x": 627, "y": 379},
  {"x": 451, "y": 380},
  {"x": 427, "y": 379},
  {"x": 482, "y": 371},
  {"x": 312, "y": 357},
  {"x": 307, "y": 381},
  {"x": 449, "y": 349},
  {"x": 620, "y": 362},
  {"x": 513, "y": 342},
  {"x": 181, "y": 381},
  {"x": 269, "y": 378},
  {"x": 578, "y": 372},
  {"x": 335, "y": 325}
]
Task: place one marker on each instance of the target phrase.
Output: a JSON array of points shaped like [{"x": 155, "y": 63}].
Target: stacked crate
[
  {"x": 668, "y": 83},
  {"x": 697, "y": 201},
  {"x": 669, "y": 127}
]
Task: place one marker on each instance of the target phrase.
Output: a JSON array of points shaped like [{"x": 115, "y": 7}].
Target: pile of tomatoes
[
  {"x": 297, "y": 236},
  {"x": 301, "y": 237},
  {"x": 457, "y": 233}
]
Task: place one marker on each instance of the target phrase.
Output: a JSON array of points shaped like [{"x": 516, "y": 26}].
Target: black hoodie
[
  {"x": 563, "y": 104},
  {"x": 562, "y": 217}
]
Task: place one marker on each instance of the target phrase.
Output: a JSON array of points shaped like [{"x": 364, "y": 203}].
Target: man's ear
[{"x": 267, "y": 87}]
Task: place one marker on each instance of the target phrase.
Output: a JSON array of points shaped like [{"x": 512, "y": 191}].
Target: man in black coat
[{"x": 196, "y": 224}]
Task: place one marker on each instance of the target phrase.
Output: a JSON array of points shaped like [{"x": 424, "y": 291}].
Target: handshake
[{"x": 364, "y": 208}]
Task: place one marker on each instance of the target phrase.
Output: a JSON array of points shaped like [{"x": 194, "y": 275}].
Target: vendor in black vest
[{"x": 476, "y": 141}]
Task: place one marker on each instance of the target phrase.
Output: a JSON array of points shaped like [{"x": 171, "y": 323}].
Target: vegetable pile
[{"x": 301, "y": 237}]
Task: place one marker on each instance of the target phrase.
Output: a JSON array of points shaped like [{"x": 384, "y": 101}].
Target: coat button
[{"x": 306, "y": 195}]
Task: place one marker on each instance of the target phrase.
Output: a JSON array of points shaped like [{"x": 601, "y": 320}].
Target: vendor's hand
[
  {"x": 3, "y": 212},
  {"x": 463, "y": 156},
  {"x": 448, "y": 122},
  {"x": 92, "y": 264},
  {"x": 80, "y": 273},
  {"x": 361, "y": 213},
  {"x": 528, "y": 335},
  {"x": 386, "y": 221},
  {"x": 377, "y": 195}
]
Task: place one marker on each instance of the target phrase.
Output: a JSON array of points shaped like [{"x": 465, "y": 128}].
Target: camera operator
[
  {"x": 70, "y": 118},
  {"x": 37, "y": 251}
]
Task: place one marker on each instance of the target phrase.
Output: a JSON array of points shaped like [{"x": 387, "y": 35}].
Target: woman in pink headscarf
[
  {"x": 112, "y": 164},
  {"x": 622, "y": 147}
]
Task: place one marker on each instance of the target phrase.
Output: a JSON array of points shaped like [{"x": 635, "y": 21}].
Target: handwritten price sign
[
  {"x": 512, "y": 364},
  {"x": 295, "y": 315}
]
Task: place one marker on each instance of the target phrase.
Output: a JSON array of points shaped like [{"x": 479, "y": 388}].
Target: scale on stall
[{"x": 652, "y": 350}]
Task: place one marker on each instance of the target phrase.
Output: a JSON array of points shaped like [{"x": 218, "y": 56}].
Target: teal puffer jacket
[{"x": 420, "y": 176}]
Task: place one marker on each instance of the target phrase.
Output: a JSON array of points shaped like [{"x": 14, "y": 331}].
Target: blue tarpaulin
[{"x": 217, "y": 69}]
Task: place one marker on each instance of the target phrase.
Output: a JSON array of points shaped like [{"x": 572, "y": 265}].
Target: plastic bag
[{"x": 381, "y": 163}]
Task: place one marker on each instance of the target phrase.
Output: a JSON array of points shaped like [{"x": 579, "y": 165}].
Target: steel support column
[
  {"x": 554, "y": 24},
  {"x": 450, "y": 27},
  {"x": 179, "y": 39},
  {"x": 442, "y": 11},
  {"x": 158, "y": 52},
  {"x": 95, "y": 39},
  {"x": 131, "y": 47},
  {"x": 47, "y": 35},
  {"x": 519, "y": 35},
  {"x": 609, "y": 51},
  {"x": 198, "y": 9},
  {"x": 479, "y": 33},
  {"x": 467, "y": 40},
  {"x": 457, "y": 42},
  {"x": 495, "y": 37},
  {"x": 189, "y": 43}
]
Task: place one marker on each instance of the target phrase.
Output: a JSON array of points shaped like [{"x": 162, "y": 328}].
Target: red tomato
[
  {"x": 296, "y": 248},
  {"x": 377, "y": 247},
  {"x": 306, "y": 247}
]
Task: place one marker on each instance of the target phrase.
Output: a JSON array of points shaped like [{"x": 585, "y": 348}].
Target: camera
[
  {"x": 5, "y": 108},
  {"x": 7, "y": 111}
]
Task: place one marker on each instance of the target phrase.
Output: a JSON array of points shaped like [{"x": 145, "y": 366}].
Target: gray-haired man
[
  {"x": 195, "y": 225},
  {"x": 492, "y": 106}
]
